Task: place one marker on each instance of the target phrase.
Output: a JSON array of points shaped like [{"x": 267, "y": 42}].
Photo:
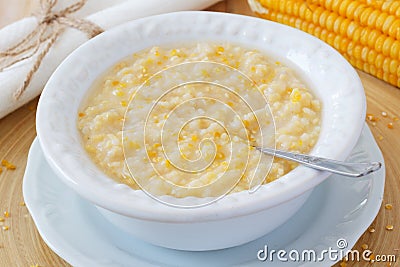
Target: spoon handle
[{"x": 323, "y": 164}]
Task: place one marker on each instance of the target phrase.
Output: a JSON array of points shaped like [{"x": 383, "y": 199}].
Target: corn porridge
[{"x": 182, "y": 121}]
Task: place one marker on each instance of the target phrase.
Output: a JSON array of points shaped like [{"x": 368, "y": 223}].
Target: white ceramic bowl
[{"x": 236, "y": 218}]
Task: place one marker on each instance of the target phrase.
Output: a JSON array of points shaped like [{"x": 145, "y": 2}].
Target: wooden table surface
[{"x": 21, "y": 245}]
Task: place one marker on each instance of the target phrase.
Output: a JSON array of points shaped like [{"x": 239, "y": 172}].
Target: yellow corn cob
[{"x": 365, "y": 32}]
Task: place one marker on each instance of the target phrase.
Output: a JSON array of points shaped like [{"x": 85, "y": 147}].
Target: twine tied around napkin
[{"x": 39, "y": 42}]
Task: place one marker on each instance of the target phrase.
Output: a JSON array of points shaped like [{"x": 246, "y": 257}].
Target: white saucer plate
[{"x": 339, "y": 208}]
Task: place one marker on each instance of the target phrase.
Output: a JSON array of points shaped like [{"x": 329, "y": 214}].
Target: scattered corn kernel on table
[{"x": 21, "y": 245}]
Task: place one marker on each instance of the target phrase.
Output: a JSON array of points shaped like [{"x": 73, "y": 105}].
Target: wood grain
[{"x": 21, "y": 245}]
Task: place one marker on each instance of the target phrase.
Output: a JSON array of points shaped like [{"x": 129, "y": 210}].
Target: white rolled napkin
[{"x": 115, "y": 13}]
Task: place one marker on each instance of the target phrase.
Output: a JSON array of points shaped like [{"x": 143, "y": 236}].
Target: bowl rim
[{"x": 106, "y": 193}]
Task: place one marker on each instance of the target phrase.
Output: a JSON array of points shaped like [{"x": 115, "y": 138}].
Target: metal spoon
[{"x": 323, "y": 164}]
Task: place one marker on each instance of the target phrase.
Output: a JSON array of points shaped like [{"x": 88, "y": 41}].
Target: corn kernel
[
  {"x": 167, "y": 164},
  {"x": 119, "y": 93},
  {"x": 8, "y": 165},
  {"x": 6, "y": 214},
  {"x": 371, "y": 230},
  {"x": 128, "y": 71},
  {"x": 364, "y": 246},
  {"x": 81, "y": 114},
  {"x": 205, "y": 73},
  {"x": 295, "y": 96},
  {"x": 230, "y": 104},
  {"x": 133, "y": 145},
  {"x": 115, "y": 83},
  {"x": 371, "y": 117},
  {"x": 384, "y": 114},
  {"x": 194, "y": 137},
  {"x": 343, "y": 264},
  {"x": 1, "y": 170},
  {"x": 372, "y": 258},
  {"x": 11, "y": 167},
  {"x": 2, "y": 219},
  {"x": 388, "y": 206},
  {"x": 300, "y": 142},
  {"x": 220, "y": 155},
  {"x": 124, "y": 103},
  {"x": 389, "y": 227},
  {"x": 149, "y": 61},
  {"x": 6, "y": 228},
  {"x": 156, "y": 145},
  {"x": 217, "y": 134},
  {"x": 152, "y": 154},
  {"x": 212, "y": 175}
]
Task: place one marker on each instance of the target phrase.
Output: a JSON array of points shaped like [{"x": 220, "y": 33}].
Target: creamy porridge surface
[{"x": 184, "y": 138}]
